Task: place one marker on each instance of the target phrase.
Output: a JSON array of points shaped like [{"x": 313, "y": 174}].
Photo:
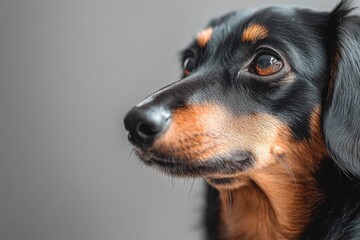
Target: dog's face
[{"x": 251, "y": 97}]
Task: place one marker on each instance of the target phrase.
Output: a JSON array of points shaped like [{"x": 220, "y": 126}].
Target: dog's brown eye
[
  {"x": 189, "y": 65},
  {"x": 266, "y": 65}
]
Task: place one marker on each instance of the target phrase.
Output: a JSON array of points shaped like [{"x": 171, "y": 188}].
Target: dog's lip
[{"x": 215, "y": 167}]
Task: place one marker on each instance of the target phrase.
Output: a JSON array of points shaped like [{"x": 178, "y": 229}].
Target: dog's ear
[{"x": 341, "y": 122}]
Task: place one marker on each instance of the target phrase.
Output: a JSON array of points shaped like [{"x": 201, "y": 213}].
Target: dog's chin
[{"x": 214, "y": 168}]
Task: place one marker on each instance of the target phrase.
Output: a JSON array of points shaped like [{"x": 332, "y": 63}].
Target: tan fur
[
  {"x": 193, "y": 134},
  {"x": 246, "y": 214},
  {"x": 203, "y": 131},
  {"x": 204, "y": 37},
  {"x": 254, "y": 32},
  {"x": 274, "y": 199}
]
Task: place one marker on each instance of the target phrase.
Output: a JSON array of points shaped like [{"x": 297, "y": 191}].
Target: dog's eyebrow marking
[
  {"x": 204, "y": 37},
  {"x": 254, "y": 32}
]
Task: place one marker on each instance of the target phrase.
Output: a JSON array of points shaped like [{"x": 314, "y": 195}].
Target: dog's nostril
[{"x": 146, "y": 130}]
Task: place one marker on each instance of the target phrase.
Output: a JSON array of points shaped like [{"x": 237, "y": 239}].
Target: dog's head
[{"x": 259, "y": 88}]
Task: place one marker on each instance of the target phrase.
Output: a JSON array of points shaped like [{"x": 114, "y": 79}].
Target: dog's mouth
[{"x": 214, "y": 168}]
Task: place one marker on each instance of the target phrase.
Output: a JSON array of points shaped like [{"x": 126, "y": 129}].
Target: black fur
[
  {"x": 338, "y": 217},
  {"x": 342, "y": 112},
  {"x": 211, "y": 213}
]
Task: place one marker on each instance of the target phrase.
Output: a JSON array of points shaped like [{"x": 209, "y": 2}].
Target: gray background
[{"x": 69, "y": 71}]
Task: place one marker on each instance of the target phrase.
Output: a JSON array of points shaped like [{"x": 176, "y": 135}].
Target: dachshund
[{"x": 267, "y": 111}]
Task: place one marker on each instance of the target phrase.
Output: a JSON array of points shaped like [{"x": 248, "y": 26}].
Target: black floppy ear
[{"x": 341, "y": 123}]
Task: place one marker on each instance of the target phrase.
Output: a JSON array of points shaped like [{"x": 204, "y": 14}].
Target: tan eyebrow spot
[
  {"x": 254, "y": 32},
  {"x": 204, "y": 37}
]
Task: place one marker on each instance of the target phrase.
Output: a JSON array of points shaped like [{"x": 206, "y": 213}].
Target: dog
[{"x": 267, "y": 112}]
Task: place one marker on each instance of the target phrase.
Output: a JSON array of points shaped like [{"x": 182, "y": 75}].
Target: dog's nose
[{"x": 145, "y": 124}]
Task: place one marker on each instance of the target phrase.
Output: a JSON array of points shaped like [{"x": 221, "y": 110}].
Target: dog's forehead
[
  {"x": 243, "y": 16},
  {"x": 233, "y": 24}
]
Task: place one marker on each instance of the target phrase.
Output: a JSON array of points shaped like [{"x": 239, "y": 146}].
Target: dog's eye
[
  {"x": 189, "y": 65},
  {"x": 266, "y": 65}
]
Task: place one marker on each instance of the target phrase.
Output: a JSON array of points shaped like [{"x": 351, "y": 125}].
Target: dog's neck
[
  {"x": 270, "y": 205},
  {"x": 277, "y": 201}
]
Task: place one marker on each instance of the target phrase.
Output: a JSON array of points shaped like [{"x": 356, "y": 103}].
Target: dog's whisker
[
  {"x": 288, "y": 170},
  {"x": 132, "y": 153},
  {"x": 230, "y": 204},
  {"x": 192, "y": 185}
]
